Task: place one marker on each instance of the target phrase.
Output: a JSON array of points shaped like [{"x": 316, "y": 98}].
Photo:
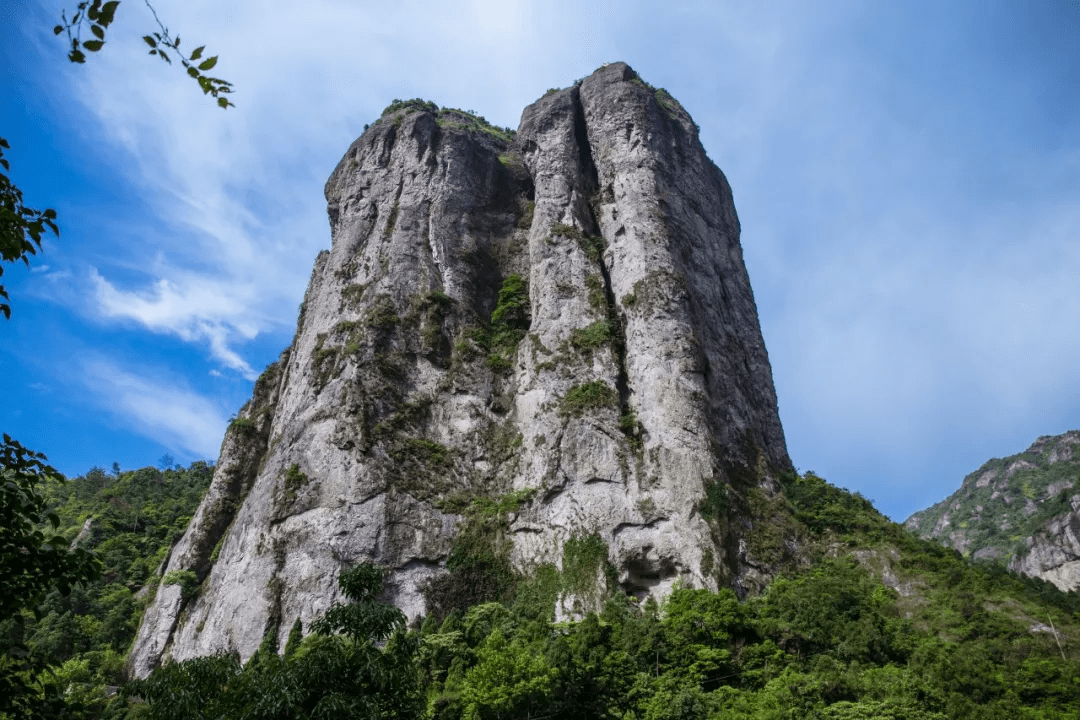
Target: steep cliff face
[
  {"x": 1023, "y": 510},
  {"x": 1053, "y": 551},
  {"x": 523, "y": 351}
]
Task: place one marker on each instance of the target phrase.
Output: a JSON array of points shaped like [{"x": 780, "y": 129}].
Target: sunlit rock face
[
  {"x": 558, "y": 320},
  {"x": 1053, "y": 553}
]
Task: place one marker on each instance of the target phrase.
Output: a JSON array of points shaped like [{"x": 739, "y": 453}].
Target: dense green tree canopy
[{"x": 32, "y": 562}]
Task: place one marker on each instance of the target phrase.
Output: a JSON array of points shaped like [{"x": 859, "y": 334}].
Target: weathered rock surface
[
  {"x": 626, "y": 396},
  {"x": 1053, "y": 553},
  {"x": 1021, "y": 510}
]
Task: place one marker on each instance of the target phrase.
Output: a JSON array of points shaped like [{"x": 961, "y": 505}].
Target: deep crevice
[
  {"x": 581, "y": 134},
  {"x": 592, "y": 179}
]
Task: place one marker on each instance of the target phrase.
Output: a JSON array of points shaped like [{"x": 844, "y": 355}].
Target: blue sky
[{"x": 907, "y": 176}]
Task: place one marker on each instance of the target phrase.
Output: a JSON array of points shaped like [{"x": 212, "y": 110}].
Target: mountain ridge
[{"x": 1022, "y": 510}]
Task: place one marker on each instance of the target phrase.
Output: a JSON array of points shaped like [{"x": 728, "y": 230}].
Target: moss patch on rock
[
  {"x": 288, "y": 489},
  {"x": 186, "y": 579},
  {"x": 479, "y": 561},
  {"x": 592, "y": 337},
  {"x": 586, "y": 397}
]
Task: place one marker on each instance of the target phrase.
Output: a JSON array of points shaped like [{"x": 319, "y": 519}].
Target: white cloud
[
  {"x": 199, "y": 310},
  {"x": 164, "y": 410}
]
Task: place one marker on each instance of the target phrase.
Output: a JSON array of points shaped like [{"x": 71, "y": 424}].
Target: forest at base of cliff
[{"x": 880, "y": 624}]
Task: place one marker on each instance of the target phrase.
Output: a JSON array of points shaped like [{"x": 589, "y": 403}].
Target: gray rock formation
[
  {"x": 1053, "y": 553},
  {"x": 537, "y": 342},
  {"x": 1021, "y": 510}
]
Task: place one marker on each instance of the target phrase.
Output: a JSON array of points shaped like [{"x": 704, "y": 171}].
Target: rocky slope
[
  {"x": 1023, "y": 510},
  {"x": 523, "y": 351}
]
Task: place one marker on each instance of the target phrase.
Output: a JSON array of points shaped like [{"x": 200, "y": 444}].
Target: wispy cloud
[
  {"x": 162, "y": 409},
  {"x": 199, "y": 309}
]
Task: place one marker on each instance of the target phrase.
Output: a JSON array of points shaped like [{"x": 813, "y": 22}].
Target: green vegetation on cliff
[
  {"x": 1006, "y": 501},
  {"x": 879, "y": 625}
]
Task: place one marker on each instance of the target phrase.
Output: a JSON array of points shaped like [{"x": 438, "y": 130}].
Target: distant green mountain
[{"x": 1021, "y": 510}]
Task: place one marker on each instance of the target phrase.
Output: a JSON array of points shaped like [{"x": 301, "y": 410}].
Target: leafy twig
[
  {"x": 100, "y": 15},
  {"x": 159, "y": 41}
]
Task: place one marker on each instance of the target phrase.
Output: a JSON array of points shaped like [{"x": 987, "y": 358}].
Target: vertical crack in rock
[
  {"x": 581, "y": 135},
  {"x": 592, "y": 187}
]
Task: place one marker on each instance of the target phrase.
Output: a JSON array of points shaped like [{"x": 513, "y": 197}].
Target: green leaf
[
  {"x": 150, "y": 41},
  {"x": 176, "y": 44},
  {"x": 197, "y": 52},
  {"x": 223, "y": 102},
  {"x": 193, "y": 72},
  {"x": 76, "y": 56},
  {"x": 58, "y": 29},
  {"x": 108, "y": 10},
  {"x": 93, "y": 45},
  {"x": 99, "y": 32},
  {"x": 208, "y": 63}
]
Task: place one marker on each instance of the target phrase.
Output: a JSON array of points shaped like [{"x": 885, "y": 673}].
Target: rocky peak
[
  {"x": 1021, "y": 510},
  {"x": 525, "y": 353}
]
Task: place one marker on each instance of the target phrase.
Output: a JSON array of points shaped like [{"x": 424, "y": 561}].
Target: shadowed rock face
[{"x": 623, "y": 383}]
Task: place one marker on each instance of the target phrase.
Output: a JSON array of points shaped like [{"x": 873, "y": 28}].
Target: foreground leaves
[
  {"x": 32, "y": 563},
  {"x": 98, "y": 16},
  {"x": 21, "y": 227}
]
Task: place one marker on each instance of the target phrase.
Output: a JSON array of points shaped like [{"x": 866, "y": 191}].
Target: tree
[
  {"x": 510, "y": 679},
  {"x": 31, "y": 564},
  {"x": 339, "y": 672},
  {"x": 353, "y": 677}
]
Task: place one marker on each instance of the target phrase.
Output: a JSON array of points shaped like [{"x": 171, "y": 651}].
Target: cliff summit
[{"x": 526, "y": 354}]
